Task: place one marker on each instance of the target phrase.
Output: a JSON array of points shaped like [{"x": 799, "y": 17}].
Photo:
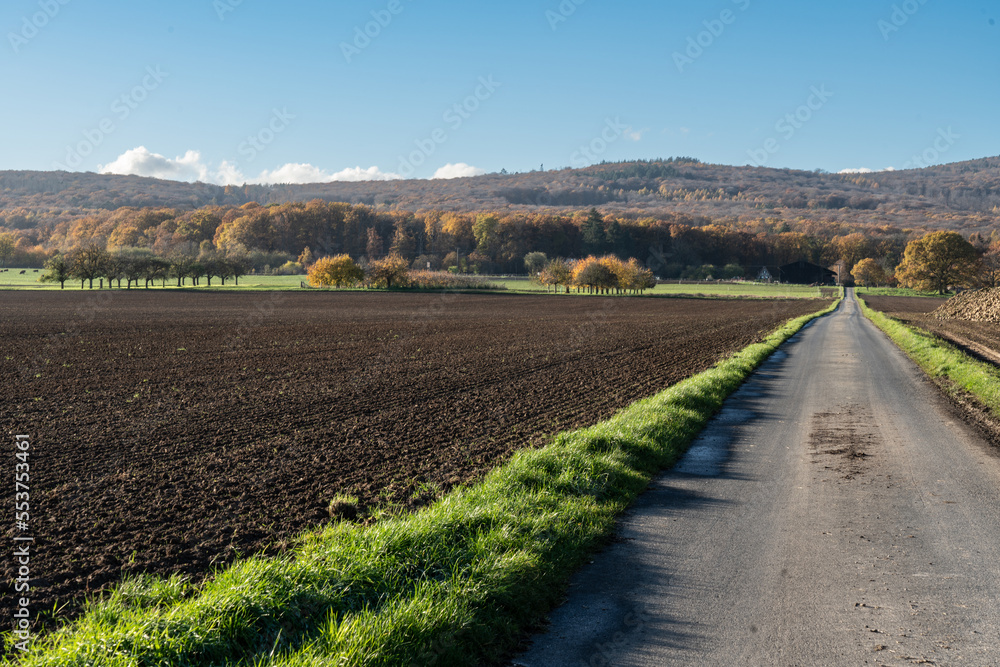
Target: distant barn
[{"x": 806, "y": 273}]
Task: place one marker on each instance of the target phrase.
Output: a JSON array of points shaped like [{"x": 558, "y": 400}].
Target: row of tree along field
[
  {"x": 595, "y": 275},
  {"x": 289, "y": 237},
  {"x": 141, "y": 266}
]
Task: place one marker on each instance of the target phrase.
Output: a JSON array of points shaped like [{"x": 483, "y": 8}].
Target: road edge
[{"x": 973, "y": 386}]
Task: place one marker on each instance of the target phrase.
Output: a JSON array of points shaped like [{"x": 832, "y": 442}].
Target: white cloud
[
  {"x": 635, "y": 135},
  {"x": 229, "y": 174},
  {"x": 189, "y": 167},
  {"x": 369, "y": 174},
  {"x": 864, "y": 170},
  {"x": 142, "y": 162},
  {"x": 458, "y": 170},
  {"x": 307, "y": 173}
]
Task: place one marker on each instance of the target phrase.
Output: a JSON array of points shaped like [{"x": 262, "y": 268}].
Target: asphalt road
[{"x": 837, "y": 512}]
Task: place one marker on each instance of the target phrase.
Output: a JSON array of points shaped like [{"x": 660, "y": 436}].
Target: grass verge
[
  {"x": 455, "y": 584},
  {"x": 897, "y": 291},
  {"x": 941, "y": 360}
]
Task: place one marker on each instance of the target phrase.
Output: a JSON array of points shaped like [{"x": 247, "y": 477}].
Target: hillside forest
[{"x": 747, "y": 222}]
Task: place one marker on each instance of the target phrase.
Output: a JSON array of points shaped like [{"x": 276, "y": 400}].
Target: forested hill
[{"x": 963, "y": 195}]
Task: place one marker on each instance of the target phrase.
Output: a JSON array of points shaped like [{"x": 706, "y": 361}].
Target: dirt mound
[{"x": 982, "y": 305}]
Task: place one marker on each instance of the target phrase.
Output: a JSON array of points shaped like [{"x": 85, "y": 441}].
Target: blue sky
[{"x": 248, "y": 90}]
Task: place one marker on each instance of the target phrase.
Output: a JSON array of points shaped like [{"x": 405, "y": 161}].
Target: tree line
[
  {"x": 675, "y": 245},
  {"x": 139, "y": 265},
  {"x": 286, "y": 238}
]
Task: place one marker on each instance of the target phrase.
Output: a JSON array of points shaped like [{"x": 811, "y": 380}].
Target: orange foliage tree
[
  {"x": 556, "y": 273},
  {"x": 595, "y": 275},
  {"x": 868, "y": 273},
  {"x": 338, "y": 271},
  {"x": 938, "y": 261},
  {"x": 389, "y": 272}
]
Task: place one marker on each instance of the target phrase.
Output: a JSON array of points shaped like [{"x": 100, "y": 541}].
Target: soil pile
[{"x": 981, "y": 305}]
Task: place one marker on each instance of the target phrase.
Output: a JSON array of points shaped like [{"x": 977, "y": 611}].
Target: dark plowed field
[
  {"x": 172, "y": 431},
  {"x": 896, "y": 305},
  {"x": 980, "y": 339}
]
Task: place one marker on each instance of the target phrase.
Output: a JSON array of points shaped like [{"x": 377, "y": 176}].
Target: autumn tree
[
  {"x": 456, "y": 231},
  {"x": 374, "y": 246},
  {"x": 937, "y": 261},
  {"x": 788, "y": 247},
  {"x": 389, "y": 272},
  {"x": 306, "y": 258},
  {"x": 338, "y": 271},
  {"x": 851, "y": 248},
  {"x": 645, "y": 280},
  {"x": 594, "y": 275},
  {"x": 486, "y": 229},
  {"x": 8, "y": 244},
  {"x": 631, "y": 276},
  {"x": 403, "y": 243},
  {"x": 58, "y": 271},
  {"x": 622, "y": 272},
  {"x": 556, "y": 273},
  {"x": 868, "y": 272},
  {"x": 255, "y": 229},
  {"x": 199, "y": 225}
]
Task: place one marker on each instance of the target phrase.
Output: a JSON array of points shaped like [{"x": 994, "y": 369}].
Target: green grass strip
[
  {"x": 941, "y": 360},
  {"x": 454, "y": 584},
  {"x": 896, "y": 291}
]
